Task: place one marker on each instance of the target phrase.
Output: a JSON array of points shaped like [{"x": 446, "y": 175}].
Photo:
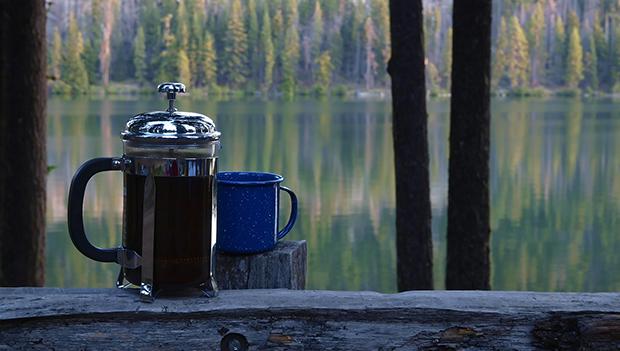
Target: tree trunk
[
  {"x": 23, "y": 164},
  {"x": 468, "y": 263},
  {"x": 104, "y": 53},
  {"x": 414, "y": 247}
]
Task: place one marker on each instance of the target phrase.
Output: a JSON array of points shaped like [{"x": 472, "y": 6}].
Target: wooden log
[
  {"x": 71, "y": 319},
  {"x": 283, "y": 267}
]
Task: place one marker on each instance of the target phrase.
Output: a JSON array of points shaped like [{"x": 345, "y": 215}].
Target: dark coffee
[{"x": 183, "y": 230}]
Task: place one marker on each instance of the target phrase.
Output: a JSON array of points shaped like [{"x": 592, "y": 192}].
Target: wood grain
[
  {"x": 283, "y": 267},
  {"x": 48, "y": 318}
]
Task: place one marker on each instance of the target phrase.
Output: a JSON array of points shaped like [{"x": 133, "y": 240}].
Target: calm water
[{"x": 555, "y": 186}]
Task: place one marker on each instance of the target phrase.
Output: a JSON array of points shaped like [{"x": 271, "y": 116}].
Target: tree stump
[{"x": 283, "y": 267}]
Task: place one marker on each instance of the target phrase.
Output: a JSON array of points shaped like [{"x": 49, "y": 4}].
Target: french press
[{"x": 169, "y": 165}]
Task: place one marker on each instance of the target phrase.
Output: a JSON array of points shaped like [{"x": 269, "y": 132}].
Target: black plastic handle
[{"x": 76, "y": 202}]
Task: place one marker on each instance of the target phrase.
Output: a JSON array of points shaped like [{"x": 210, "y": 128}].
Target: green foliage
[
  {"x": 55, "y": 55},
  {"x": 258, "y": 44},
  {"x": 183, "y": 72},
  {"x": 267, "y": 53},
  {"x": 518, "y": 59},
  {"x": 290, "y": 58},
  {"x": 73, "y": 69},
  {"x": 182, "y": 32},
  {"x": 317, "y": 30},
  {"x": 381, "y": 19},
  {"x": 371, "y": 63},
  {"x": 574, "y": 61},
  {"x": 236, "y": 47},
  {"x": 323, "y": 75},
  {"x": 591, "y": 64},
  {"x": 535, "y": 31},
  {"x": 559, "y": 52},
  {"x": 500, "y": 59},
  {"x": 196, "y": 51},
  {"x": 209, "y": 67},
  {"x": 432, "y": 77},
  {"x": 139, "y": 56},
  {"x": 92, "y": 42},
  {"x": 447, "y": 60},
  {"x": 602, "y": 52},
  {"x": 151, "y": 20},
  {"x": 253, "y": 38},
  {"x": 167, "y": 58}
]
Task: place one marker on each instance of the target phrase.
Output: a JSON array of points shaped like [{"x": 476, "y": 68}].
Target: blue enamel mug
[{"x": 248, "y": 207}]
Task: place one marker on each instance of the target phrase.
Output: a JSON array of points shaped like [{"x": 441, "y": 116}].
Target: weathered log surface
[
  {"x": 283, "y": 267},
  {"x": 49, "y": 318}
]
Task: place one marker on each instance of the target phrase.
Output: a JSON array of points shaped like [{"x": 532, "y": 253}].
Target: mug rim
[{"x": 275, "y": 178}]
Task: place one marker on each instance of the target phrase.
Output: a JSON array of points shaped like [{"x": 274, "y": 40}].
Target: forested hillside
[{"x": 292, "y": 46}]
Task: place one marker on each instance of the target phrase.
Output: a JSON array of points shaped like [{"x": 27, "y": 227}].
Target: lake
[{"x": 555, "y": 186}]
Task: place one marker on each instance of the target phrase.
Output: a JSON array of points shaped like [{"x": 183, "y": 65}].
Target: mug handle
[
  {"x": 75, "y": 205},
  {"x": 293, "y": 216}
]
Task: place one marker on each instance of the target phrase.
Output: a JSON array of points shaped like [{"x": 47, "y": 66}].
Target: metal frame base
[{"x": 148, "y": 293}]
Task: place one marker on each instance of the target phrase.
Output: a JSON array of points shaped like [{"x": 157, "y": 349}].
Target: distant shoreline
[{"x": 116, "y": 89}]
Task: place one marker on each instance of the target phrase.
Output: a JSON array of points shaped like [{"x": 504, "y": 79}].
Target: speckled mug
[{"x": 248, "y": 211}]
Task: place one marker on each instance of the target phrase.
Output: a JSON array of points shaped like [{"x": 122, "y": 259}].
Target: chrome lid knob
[{"x": 171, "y": 89}]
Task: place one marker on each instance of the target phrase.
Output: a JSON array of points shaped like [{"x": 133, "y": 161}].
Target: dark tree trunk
[
  {"x": 414, "y": 246},
  {"x": 468, "y": 263},
  {"x": 23, "y": 164}
]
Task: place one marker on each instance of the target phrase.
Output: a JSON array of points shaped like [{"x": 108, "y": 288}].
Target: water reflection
[{"x": 555, "y": 197}]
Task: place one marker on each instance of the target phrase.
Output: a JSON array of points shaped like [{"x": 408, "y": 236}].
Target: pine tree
[
  {"x": 168, "y": 58},
  {"x": 56, "y": 54},
  {"x": 614, "y": 58},
  {"x": 323, "y": 73},
  {"x": 253, "y": 40},
  {"x": 518, "y": 60},
  {"x": 268, "y": 59},
  {"x": 502, "y": 50},
  {"x": 291, "y": 40},
  {"x": 602, "y": 52},
  {"x": 432, "y": 77},
  {"x": 572, "y": 21},
  {"x": 558, "y": 59},
  {"x": 73, "y": 68},
  {"x": 182, "y": 32},
  {"x": 105, "y": 50},
  {"x": 139, "y": 59},
  {"x": 92, "y": 42},
  {"x": 277, "y": 38},
  {"x": 196, "y": 48},
  {"x": 317, "y": 30},
  {"x": 574, "y": 61},
  {"x": 150, "y": 20},
  {"x": 447, "y": 60},
  {"x": 183, "y": 73},
  {"x": 291, "y": 13},
  {"x": 370, "y": 62},
  {"x": 535, "y": 31},
  {"x": 235, "y": 48},
  {"x": 591, "y": 64},
  {"x": 209, "y": 67},
  {"x": 381, "y": 18},
  {"x": 290, "y": 58}
]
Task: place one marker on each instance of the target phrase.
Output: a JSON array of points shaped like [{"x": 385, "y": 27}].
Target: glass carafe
[{"x": 169, "y": 165}]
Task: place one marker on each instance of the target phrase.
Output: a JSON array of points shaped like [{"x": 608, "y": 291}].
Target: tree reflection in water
[{"x": 554, "y": 198}]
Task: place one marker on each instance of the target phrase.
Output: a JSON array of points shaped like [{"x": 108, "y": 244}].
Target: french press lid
[{"x": 170, "y": 127}]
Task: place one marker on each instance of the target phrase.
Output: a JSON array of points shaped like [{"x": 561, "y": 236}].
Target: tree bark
[
  {"x": 23, "y": 165},
  {"x": 278, "y": 319},
  {"x": 468, "y": 265},
  {"x": 414, "y": 247}
]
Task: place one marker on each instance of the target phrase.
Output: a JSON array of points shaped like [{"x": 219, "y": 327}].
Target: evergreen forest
[{"x": 290, "y": 47}]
